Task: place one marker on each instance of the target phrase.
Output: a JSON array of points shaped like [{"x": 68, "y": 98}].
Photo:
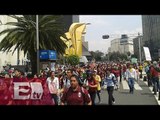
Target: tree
[
  {"x": 134, "y": 56},
  {"x": 22, "y": 35},
  {"x": 97, "y": 55},
  {"x": 117, "y": 56},
  {"x": 73, "y": 59}
]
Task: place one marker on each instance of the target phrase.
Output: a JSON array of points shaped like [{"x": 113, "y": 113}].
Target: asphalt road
[{"x": 142, "y": 95}]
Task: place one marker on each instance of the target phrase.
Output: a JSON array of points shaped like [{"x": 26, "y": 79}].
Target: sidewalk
[{"x": 156, "y": 96}]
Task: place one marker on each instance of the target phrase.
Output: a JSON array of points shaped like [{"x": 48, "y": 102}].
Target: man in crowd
[
  {"x": 75, "y": 95},
  {"x": 131, "y": 76}
]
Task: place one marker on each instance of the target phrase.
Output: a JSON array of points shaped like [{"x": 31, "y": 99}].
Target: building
[
  {"x": 126, "y": 44},
  {"x": 109, "y": 50},
  {"x": 68, "y": 20},
  {"x": 115, "y": 45},
  {"x": 9, "y": 58},
  {"x": 85, "y": 51},
  {"x": 151, "y": 36},
  {"x": 122, "y": 45}
]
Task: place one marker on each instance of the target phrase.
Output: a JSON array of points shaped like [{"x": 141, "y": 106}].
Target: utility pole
[
  {"x": 139, "y": 44},
  {"x": 37, "y": 37}
]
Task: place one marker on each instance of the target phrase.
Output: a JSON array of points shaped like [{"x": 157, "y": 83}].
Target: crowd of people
[{"x": 75, "y": 85}]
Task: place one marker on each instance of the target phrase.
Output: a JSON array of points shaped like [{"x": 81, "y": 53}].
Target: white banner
[{"x": 147, "y": 54}]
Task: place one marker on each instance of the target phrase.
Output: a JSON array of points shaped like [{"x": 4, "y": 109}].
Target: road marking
[
  {"x": 136, "y": 86},
  {"x": 125, "y": 85}
]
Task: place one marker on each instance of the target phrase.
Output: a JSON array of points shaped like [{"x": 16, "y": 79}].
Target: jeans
[
  {"x": 156, "y": 86},
  {"x": 93, "y": 97},
  {"x": 149, "y": 80},
  {"x": 98, "y": 94},
  {"x": 131, "y": 84},
  {"x": 55, "y": 97},
  {"x": 120, "y": 77},
  {"x": 110, "y": 90}
]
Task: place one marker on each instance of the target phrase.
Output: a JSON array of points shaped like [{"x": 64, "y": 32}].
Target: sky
[{"x": 113, "y": 25}]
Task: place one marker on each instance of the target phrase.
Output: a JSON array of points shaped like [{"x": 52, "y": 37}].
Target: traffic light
[{"x": 105, "y": 36}]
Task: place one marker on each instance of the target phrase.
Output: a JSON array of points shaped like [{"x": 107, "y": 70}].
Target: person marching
[
  {"x": 155, "y": 71},
  {"x": 75, "y": 95},
  {"x": 53, "y": 85},
  {"x": 110, "y": 77},
  {"x": 131, "y": 76},
  {"x": 92, "y": 87},
  {"x": 98, "y": 80}
]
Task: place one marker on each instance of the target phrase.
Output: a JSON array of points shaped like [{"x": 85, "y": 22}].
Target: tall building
[
  {"x": 126, "y": 44},
  {"x": 122, "y": 45},
  {"x": 115, "y": 45},
  {"x": 68, "y": 20},
  {"x": 151, "y": 36}
]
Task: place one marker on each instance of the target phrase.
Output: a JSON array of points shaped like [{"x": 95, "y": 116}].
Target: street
[{"x": 142, "y": 95}]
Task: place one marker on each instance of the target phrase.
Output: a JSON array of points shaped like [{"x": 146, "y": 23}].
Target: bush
[{"x": 73, "y": 59}]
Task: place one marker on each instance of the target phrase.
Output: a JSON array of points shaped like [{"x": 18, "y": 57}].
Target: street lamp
[
  {"x": 105, "y": 36},
  {"x": 37, "y": 38},
  {"x": 131, "y": 35},
  {"x": 139, "y": 45}
]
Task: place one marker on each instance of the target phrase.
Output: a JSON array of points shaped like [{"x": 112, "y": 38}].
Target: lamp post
[
  {"x": 131, "y": 35},
  {"x": 37, "y": 38},
  {"x": 139, "y": 45}
]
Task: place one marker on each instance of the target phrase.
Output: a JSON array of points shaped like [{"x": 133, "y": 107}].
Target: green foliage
[
  {"x": 134, "y": 56},
  {"x": 97, "y": 55},
  {"x": 73, "y": 59},
  {"x": 22, "y": 35},
  {"x": 117, "y": 56}
]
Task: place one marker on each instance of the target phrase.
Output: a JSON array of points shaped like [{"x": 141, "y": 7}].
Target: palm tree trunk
[{"x": 33, "y": 59}]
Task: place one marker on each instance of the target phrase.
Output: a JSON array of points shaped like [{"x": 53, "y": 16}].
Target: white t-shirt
[
  {"x": 66, "y": 82},
  {"x": 53, "y": 85},
  {"x": 131, "y": 73}
]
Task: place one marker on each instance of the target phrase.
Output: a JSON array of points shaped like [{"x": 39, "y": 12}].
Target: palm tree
[{"x": 22, "y": 35}]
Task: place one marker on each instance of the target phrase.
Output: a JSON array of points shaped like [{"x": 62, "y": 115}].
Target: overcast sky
[{"x": 111, "y": 25}]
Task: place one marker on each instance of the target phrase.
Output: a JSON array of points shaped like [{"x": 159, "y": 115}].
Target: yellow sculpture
[
  {"x": 79, "y": 32},
  {"x": 68, "y": 42},
  {"x": 74, "y": 39}
]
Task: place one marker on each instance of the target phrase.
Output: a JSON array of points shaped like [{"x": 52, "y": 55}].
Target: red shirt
[
  {"x": 154, "y": 73},
  {"x": 76, "y": 97},
  {"x": 124, "y": 68},
  {"x": 92, "y": 82},
  {"x": 116, "y": 73}
]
